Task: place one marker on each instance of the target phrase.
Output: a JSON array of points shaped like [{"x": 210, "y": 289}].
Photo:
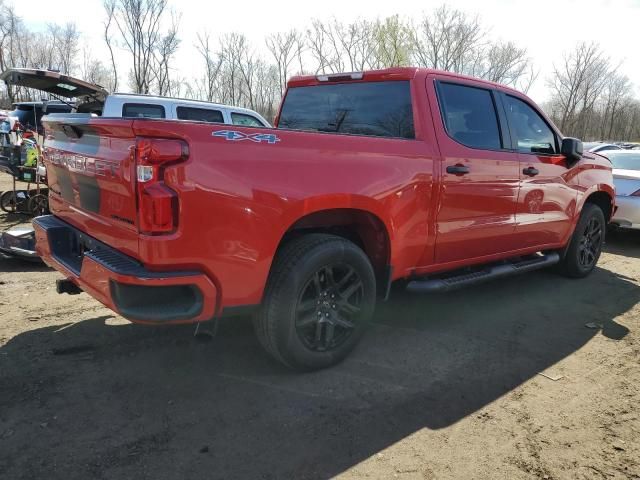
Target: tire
[
  {"x": 11, "y": 202},
  {"x": 38, "y": 205},
  {"x": 585, "y": 246},
  {"x": 319, "y": 299}
]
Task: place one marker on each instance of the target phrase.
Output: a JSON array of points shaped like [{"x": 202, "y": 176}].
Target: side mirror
[{"x": 572, "y": 149}]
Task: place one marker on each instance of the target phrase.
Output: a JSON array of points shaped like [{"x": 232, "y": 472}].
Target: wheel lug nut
[
  {"x": 333, "y": 306},
  {"x": 326, "y": 315}
]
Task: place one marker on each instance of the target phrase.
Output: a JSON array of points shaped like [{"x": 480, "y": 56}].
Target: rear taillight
[{"x": 157, "y": 203}]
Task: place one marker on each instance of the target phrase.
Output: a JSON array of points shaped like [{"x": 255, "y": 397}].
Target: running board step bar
[{"x": 490, "y": 272}]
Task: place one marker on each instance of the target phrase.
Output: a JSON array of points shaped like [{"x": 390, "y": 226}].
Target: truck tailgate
[{"x": 91, "y": 176}]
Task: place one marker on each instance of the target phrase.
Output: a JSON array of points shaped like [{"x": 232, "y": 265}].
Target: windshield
[
  {"x": 625, "y": 161},
  {"x": 381, "y": 109}
]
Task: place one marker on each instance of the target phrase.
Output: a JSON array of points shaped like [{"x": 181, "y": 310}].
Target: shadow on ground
[
  {"x": 623, "y": 242},
  {"x": 93, "y": 400},
  {"x": 10, "y": 264}
]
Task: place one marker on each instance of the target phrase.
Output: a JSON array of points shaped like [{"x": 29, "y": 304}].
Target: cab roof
[{"x": 387, "y": 74}]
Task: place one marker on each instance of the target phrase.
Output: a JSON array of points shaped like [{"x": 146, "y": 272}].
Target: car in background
[
  {"x": 93, "y": 99},
  {"x": 30, "y": 114},
  {"x": 626, "y": 178},
  {"x": 597, "y": 147},
  {"x": 129, "y": 105}
]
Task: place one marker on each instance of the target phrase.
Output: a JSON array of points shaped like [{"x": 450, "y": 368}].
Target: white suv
[
  {"x": 150, "y": 106},
  {"x": 94, "y": 99}
]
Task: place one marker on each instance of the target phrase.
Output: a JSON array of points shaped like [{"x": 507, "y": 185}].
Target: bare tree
[
  {"x": 94, "y": 71},
  {"x": 357, "y": 40},
  {"x": 285, "y": 48},
  {"x": 616, "y": 96},
  {"x": 337, "y": 47},
  {"x": 163, "y": 54},
  {"x": 213, "y": 64},
  {"x": 393, "y": 43},
  {"x": 576, "y": 85},
  {"x": 528, "y": 78},
  {"x": 110, "y": 9},
  {"x": 139, "y": 24},
  {"x": 9, "y": 26},
  {"x": 318, "y": 46},
  {"x": 503, "y": 63},
  {"x": 232, "y": 49},
  {"x": 447, "y": 39},
  {"x": 68, "y": 47}
]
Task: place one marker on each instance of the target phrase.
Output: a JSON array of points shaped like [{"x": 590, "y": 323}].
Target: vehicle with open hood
[{"x": 96, "y": 100}]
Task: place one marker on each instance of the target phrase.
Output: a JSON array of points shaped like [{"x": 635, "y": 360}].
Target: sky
[{"x": 547, "y": 28}]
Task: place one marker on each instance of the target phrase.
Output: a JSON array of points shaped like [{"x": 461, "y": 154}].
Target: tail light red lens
[
  {"x": 158, "y": 204},
  {"x": 158, "y": 209}
]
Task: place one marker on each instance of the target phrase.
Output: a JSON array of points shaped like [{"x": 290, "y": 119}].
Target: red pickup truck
[{"x": 436, "y": 179}]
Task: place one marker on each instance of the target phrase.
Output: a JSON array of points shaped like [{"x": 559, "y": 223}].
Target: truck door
[
  {"x": 546, "y": 202},
  {"x": 479, "y": 171}
]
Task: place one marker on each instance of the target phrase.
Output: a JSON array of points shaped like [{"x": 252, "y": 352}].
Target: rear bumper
[
  {"x": 122, "y": 283},
  {"x": 627, "y": 214}
]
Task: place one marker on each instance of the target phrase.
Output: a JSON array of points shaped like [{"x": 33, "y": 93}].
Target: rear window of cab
[{"x": 378, "y": 109}]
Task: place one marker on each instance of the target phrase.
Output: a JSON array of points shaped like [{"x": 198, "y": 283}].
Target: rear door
[
  {"x": 546, "y": 202},
  {"x": 479, "y": 171}
]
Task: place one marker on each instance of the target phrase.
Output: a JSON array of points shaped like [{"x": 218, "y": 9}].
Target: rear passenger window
[
  {"x": 531, "y": 131},
  {"x": 469, "y": 115},
  {"x": 142, "y": 110},
  {"x": 248, "y": 120},
  {"x": 200, "y": 115}
]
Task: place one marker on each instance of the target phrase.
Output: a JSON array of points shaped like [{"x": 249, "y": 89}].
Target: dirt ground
[{"x": 501, "y": 381}]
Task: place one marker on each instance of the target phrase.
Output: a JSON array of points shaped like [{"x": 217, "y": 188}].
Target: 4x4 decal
[{"x": 234, "y": 135}]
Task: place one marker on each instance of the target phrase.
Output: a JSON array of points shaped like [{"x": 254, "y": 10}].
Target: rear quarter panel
[{"x": 238, "y": 198}]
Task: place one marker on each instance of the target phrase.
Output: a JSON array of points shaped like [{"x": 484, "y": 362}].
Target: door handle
[
  {"x": 530, "y": 171},
  {"x": 458, "y": 169}
]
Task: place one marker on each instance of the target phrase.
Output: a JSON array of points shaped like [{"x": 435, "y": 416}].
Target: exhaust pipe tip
[{"x": 68, "y": 287}]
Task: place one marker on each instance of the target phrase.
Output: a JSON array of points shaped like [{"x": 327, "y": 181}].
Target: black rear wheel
[
  {"x": 318, "y": 302},
  {"x": 327, "y": 306}
]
